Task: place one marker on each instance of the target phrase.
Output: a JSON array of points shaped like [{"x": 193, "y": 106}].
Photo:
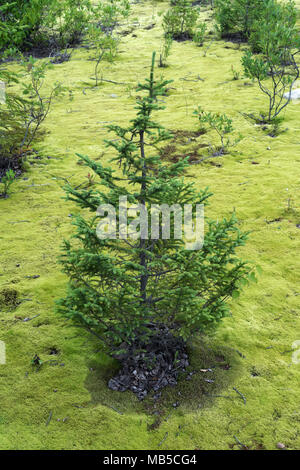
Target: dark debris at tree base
[{"x": 151, "y": 366}]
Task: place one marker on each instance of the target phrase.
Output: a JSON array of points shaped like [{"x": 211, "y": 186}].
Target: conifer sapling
[{"x": 131, "y": 293}]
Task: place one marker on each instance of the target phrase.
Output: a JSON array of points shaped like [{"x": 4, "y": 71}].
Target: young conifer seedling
[{"x": 135, "y": 282}]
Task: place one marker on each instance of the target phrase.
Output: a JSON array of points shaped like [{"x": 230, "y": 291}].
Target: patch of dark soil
[
  {"x": 219, "y": 358},
  {"x": 278, "y": 219},
  {"x": 181, "y": 136},
  {"x": 126, "y": 32},
  {"x": 202, "y": 2},
  {"x": 192, "y": 155},
  {"x": 9, "y": 299},
  {"x": 254, "y": 372},
  {"x": 181, "y": 37},
  {"x": 236, "y": 37},
  {"x": 60, "y": 57},
  {"x": 150, "y": 26},
  {"x": 173, "y": 153},
  {"x": 53, "y": 351},
  {"x": 155, "y": 425},
  {"x": 212, "y": 163},
  {"x": 151, "y": 365},
  {"x": 225, "y": 366},
  {"x": 14, "y": 163},
  {"x": 167, "y": 151},
  {"x": 47, "y": 47}
]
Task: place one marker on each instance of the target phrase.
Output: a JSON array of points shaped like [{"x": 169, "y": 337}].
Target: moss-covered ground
[{"x": 253, "y": 397}]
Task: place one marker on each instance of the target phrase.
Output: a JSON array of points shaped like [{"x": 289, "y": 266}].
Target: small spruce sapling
[{"x": 121, "y": 289}]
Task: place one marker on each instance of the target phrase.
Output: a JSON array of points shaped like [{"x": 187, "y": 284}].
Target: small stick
[
  {"x": 35, "y": 316},
  {"x": 240, "y": 443},
  {"x": 218, "y": 396},
  {"x": 241, "y": 395},
  {"x": 49, "y": 418},
  {"x": 115, "y": 83},
  {"x": 19, "y": 222},
  {"x": 164, "y": 438},
  {"x": 115, "y": 409},
  {"x": 240, "y": 354}
]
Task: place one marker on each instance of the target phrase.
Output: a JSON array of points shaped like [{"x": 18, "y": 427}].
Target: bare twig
[{"x": 241, "y": 395}]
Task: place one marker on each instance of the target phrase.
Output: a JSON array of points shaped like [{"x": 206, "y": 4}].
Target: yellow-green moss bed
[{"x": 66, "y": 404}]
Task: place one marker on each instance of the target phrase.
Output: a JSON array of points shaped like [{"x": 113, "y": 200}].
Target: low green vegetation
[
  {"x": 180, "y": 20},
  {"x": 222, "y": 125},
  {"x": 275, "y": 69}
]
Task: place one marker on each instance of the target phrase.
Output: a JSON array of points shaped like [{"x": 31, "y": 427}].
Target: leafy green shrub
[
  {"x": 11, "y": 32},
  {"x": 237, "y": 16},
  {"x": 180, "y": 20},
  {"x": 108, "y": 13},
  {"x": 105, "y": 48},
  {"x": 120, "y": 289},
  {"x": 106, "y": 16},
  {"x": 278, "y": 19},
  {"x": 24, "y": 24},
  {"x": 222, "y": 125},
  {"x": 23, "y": 19},
  {"x": 24, "y": 111},
  {"x": 68, "y": 20},
  {"x": 275, "y": 68}
]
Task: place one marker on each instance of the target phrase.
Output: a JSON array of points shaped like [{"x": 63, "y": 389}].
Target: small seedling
[
  {"x": 222, "y": 125},
  {"x": 199, "y": 34},
  {"x": 7, "y": 181},
  {"x": 235, "y": 74},
  {"x": 36, "y": 362},
  {"x": 165, "y": 50},
  {"x": 91, "y": 180}
]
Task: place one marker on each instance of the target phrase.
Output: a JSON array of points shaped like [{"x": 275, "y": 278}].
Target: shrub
[
  {"x": 108, "y": 13},
  {"x": 277, "y": 19},
  {"x": 23, "y": 18},
  {"x": 122, "y": 289},
  {"x": 180, "y": 20},
  {"x": 68, "y": 20},
  {"x": 24, "y": 24},
  {"x": 23, "y": 113},
  {"x": 237, "y": 16},
  {"x": 275, "y": 69},
  {"x": 222, "y": 125},
  {"x": 101, "y": 32}
]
